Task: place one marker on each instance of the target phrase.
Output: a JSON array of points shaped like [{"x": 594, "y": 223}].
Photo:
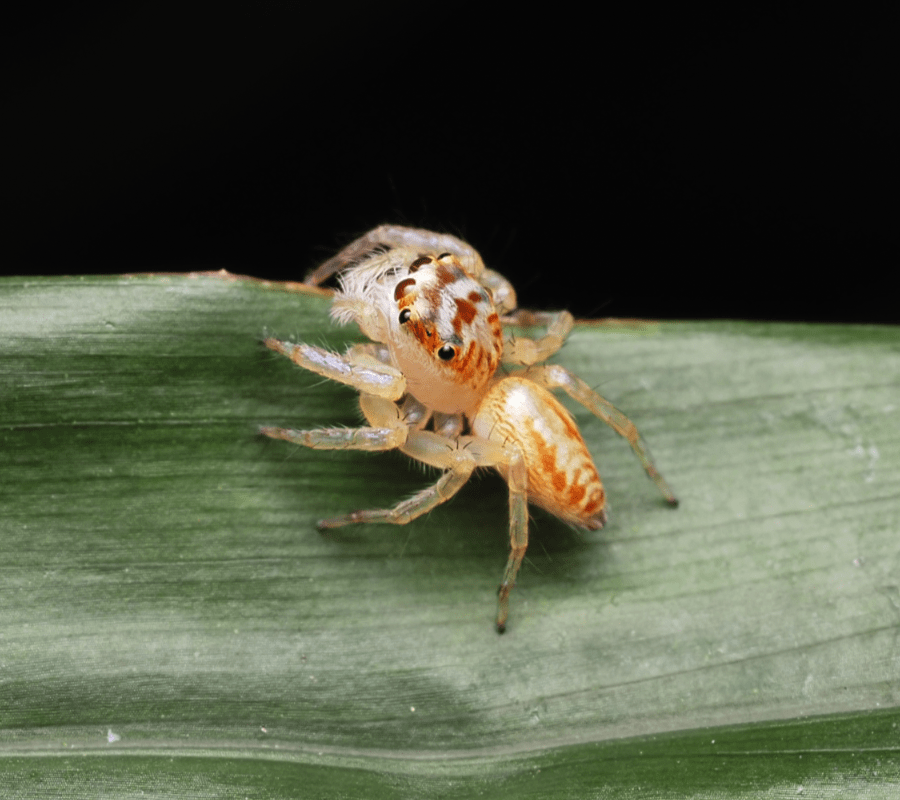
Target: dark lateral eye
[
  {"x": 405, "y": 315},
  {"x": 446, "y": 352},
  {"x": 420, "y": 261}
]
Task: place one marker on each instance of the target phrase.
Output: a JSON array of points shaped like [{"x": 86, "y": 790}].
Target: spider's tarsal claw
[
  {"x": 503, "y": 611},
  {"x": 672, "y": 501},
  {"x": 327, "y": 524}
]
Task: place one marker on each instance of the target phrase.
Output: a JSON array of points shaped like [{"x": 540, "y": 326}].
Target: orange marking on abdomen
[
  {"x": 571, "y": 428},
  {"x": 575, "y": 494},
  {"x": 595, "y": 503},
  {"x": 562, "y": 477}
]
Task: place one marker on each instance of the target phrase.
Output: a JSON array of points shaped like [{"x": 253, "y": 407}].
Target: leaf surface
[{"x": 173, "y": 624}]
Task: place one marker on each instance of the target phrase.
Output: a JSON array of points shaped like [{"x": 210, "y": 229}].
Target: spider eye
[
  {"x": 446, "y": 352},
  {"x": 420, "y": 261},
  {"x": 405, "y": 315}
]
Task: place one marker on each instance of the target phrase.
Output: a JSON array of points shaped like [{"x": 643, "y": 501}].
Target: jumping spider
[{"x": 435, "y": 316}]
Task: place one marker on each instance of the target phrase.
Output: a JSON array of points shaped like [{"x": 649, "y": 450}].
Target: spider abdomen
[{"x": 562, "y": 477}]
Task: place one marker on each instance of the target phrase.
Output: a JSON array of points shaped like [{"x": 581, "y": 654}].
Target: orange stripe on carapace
[
  {"x": 465, "y": 313},
  {"x": 427, "y": 336},
  {"x": 461, "y": 365},
  {"x": 479, "y": 364},
  {"x": 447, "y": 275},
  {"x": 496, "y": 328}
]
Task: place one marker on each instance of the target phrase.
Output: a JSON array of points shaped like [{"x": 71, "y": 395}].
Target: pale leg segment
[
  {"x": 556, "y": 377},
  {"x": 458, "y": 472},
  {"x": 387, "y": 430},
  {"x": 392, "y": 236},
  {"x": 340, "y": 438},
  {"x": 501, "y": 290},
  {"x": 359, "y": 368},
  {"x": 525, "y": 351},
  {"x": 517, "y": 478},
  {"x": 478, "y": 452}
]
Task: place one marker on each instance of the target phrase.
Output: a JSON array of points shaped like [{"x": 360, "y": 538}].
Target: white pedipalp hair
[{"x": 364, "y": 284}]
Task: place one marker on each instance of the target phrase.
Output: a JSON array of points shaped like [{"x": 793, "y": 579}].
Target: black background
[{"x": 640, "y": 163}]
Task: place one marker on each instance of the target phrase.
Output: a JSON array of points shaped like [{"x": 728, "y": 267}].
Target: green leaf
[{"x": 172, "y": 625}]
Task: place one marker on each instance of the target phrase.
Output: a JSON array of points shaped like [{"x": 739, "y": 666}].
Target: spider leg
[
  {"x": 459, "y": 458},
  {"x": 436, "y": 451},
  {"x": 517, "y": 479},
  {"x": 554, "y": 376},
  {"x": 459, "y": 470},
  {"x": 340, "y": 438},
  {"x": 525, "y": 351},
  {"x": 510, "y": 462},
  {"x": 386, "y": 432},
  {"x": 369, "y": 350},
  {"x": 360, "y": 368},
  {"x": 501, "y": 290},
  {"x": 392, "y": 236}
]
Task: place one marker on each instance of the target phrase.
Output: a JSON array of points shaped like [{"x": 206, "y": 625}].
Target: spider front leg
[
  {"x": 554, "y": 376},
  {"x": 387, "y": 431},
  {"x": 525, "y": 351},
  {"x": 432, "y": 449},
  {"x": 359, "y": 367}
]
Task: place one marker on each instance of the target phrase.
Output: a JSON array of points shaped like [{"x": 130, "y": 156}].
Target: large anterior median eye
[
  {"x": 405, "y": 315},
  {"x": 446, "y": 352}
]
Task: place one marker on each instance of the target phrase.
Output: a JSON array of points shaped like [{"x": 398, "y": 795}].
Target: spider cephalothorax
[
  {"x": 434, "y": 315},
  {"x": 440, "y": 323}
]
